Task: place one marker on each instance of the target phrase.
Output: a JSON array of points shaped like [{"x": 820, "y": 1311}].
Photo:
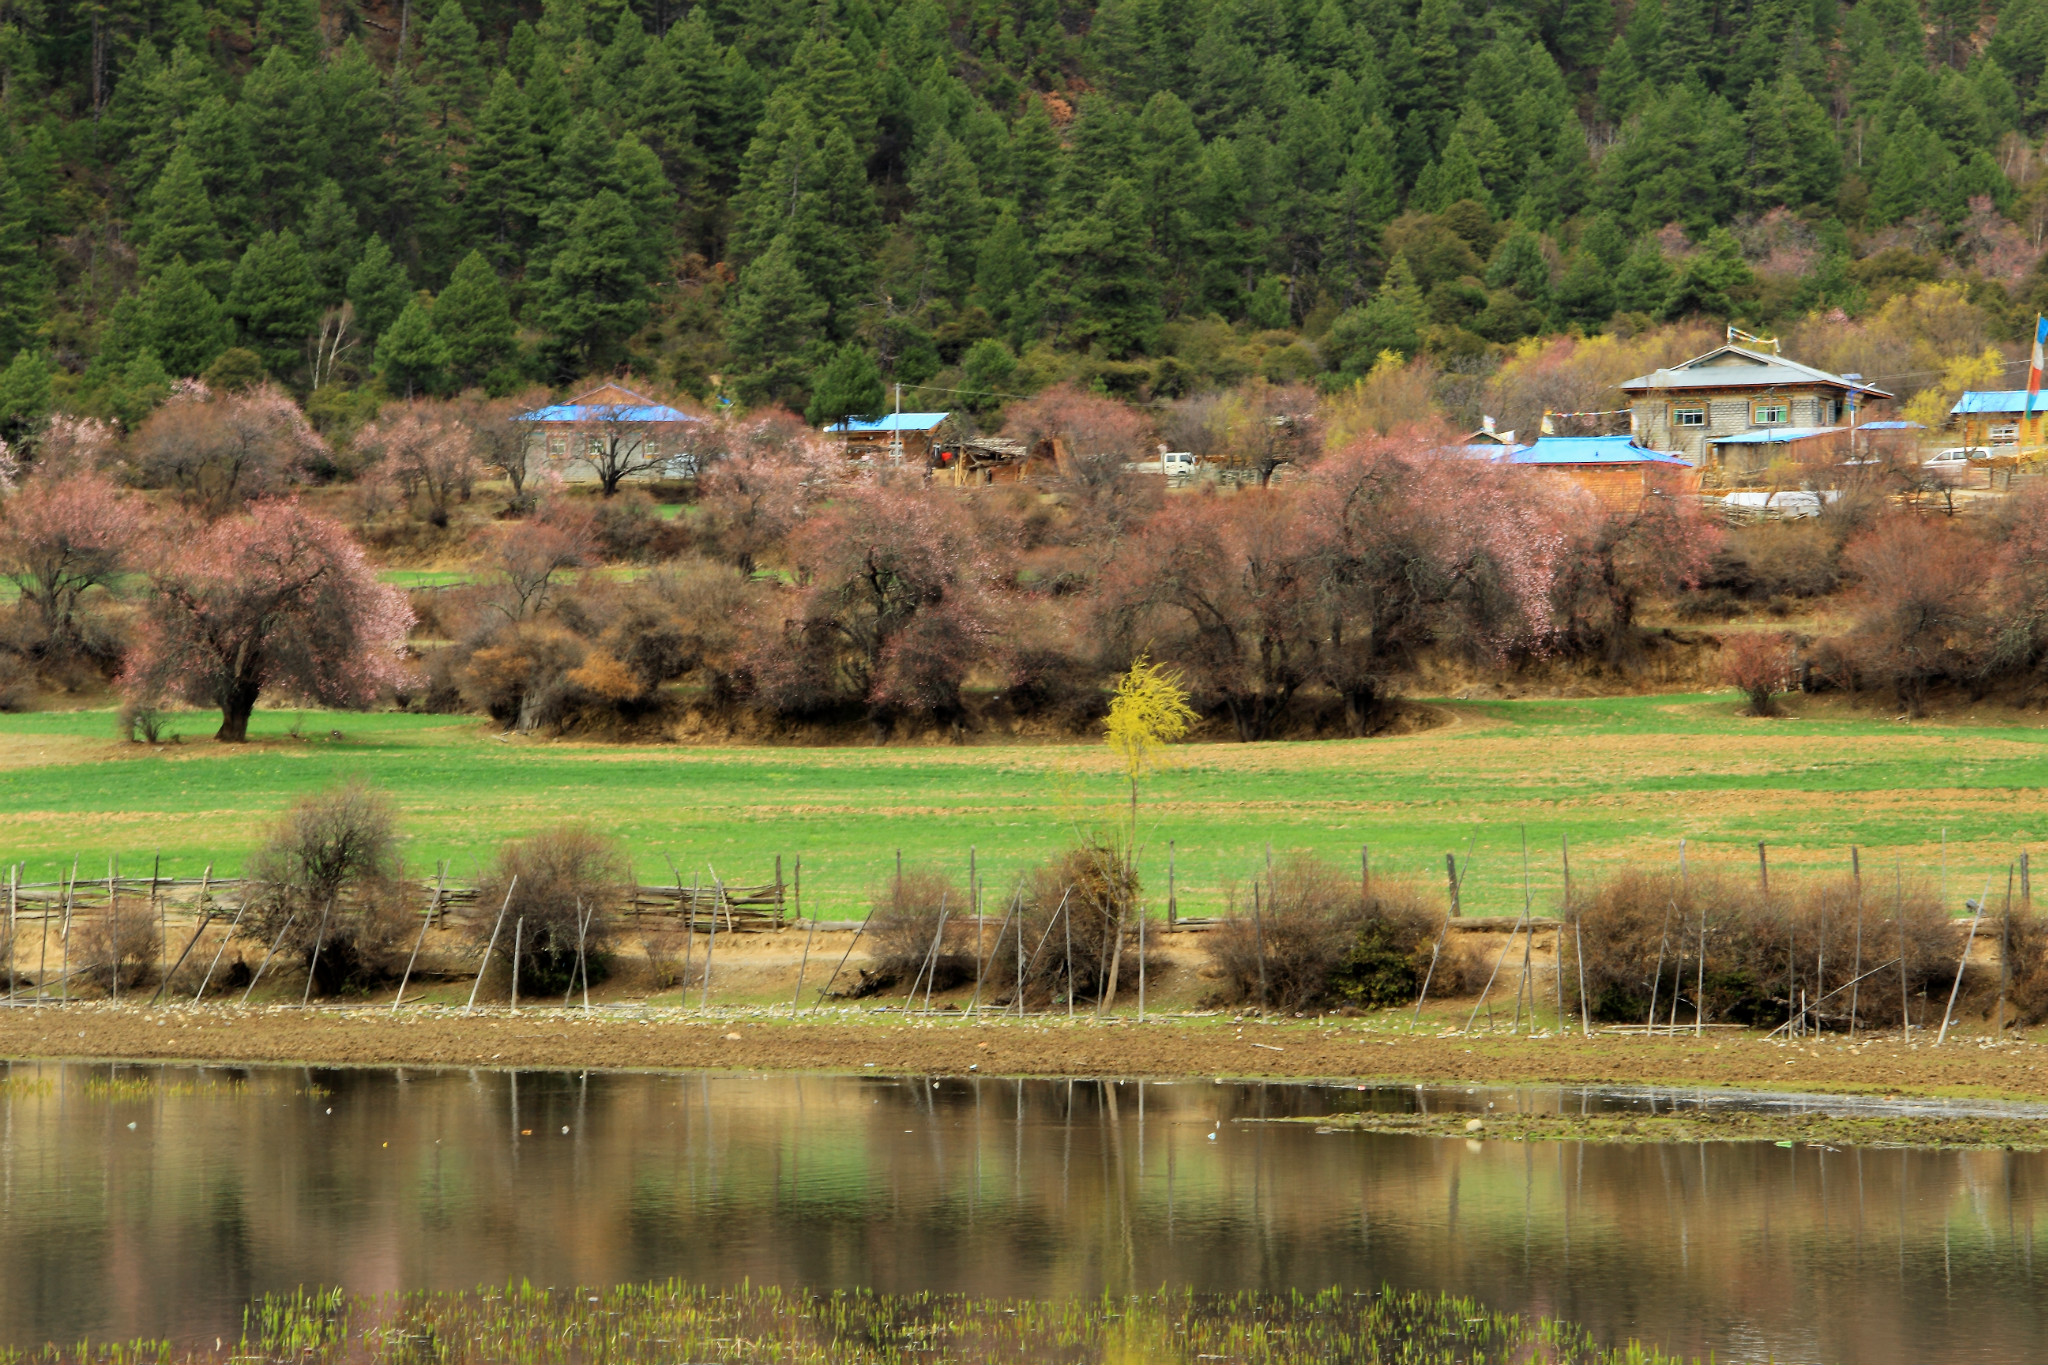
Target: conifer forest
[{"x": 773, "y": 201}]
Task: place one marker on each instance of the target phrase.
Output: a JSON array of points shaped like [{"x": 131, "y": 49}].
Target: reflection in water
[{"x": 160, "y": 1204}]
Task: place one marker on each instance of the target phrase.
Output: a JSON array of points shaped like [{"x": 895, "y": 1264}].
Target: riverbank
[
  {"x": 850, "y": 1039},
  {"x": 1814, "y": 1129}
]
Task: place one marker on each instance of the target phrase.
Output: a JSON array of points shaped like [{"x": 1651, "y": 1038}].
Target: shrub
[
  {"x": 1762, "y": 952},
  {"x": 1092, "y": 891},
  {"x": 567, "y": 876},
  {"x": 127, "y": 945},
  {"x": 327, "y": 880},
  {"x": 1759, "y": 666},
  {"x": 1317, "y": 939},
  {"x": 905, "y": 920}
]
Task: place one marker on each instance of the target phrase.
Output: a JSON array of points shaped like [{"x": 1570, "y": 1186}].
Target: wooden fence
[{"x": 758, "y": 908}]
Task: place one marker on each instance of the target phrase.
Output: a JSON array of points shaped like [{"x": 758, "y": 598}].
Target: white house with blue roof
[
  {"x": 1738, "y": 410},
  {"x": 612, "y": 432},
  {"x": 908, "y": 435}
]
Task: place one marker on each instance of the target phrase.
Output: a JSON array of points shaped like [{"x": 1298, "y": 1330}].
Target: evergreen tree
[
  {"x": 278, "y": 121},
  {"x": 449, "y": 70},
  {"x": 1710, "y": 279},
  {"x": 143, "y": 384},
  {"x": 595, "y": 296},
  {"x": 1585, "y": 292},
  {"x": 1392, "y": 321},
  {"x": 24, "y": 280},
  {"x": 1644, "y": 283},
  {"x": 1914, "y": 173},
  {"x": 182, "y": 322},
  {"x": 412, "y": 360},
  {"x": 475, "y": 321},
  {"x": 331, "y": 243},
  {"x": 273, "y": 300},
  {"x": 771, "y": 327},
  {"x": 24, "y": 395},
  {"x": 180, "y": 222},
  {"x": 503, "y": 198},
  {"x": 1793, "y": 159},
  {"x": 293, "y": 26},
  {"x": 1519, "y": 264},
  {"x": 850, "y": 385},
  {"x": 946, "y": 216},
  {"x": 378, "y": 288},
  {"x": 1101, "y": 286}
]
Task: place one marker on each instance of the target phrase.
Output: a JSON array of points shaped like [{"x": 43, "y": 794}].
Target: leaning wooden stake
[
  {"x": 1579, "y": 939},
  {"x": 164, "y": 985},
  {"x": 974, "y": 1005},
  {"x": 811, "y": 935},
  {"x": 1259, "y": 941},
  {"x": 70, "y": 892},
  {"x": 225, "y": 939},
  {"x": 13, "y": 929},
  {"x": 518, "y": 933},
  {"x": 1492, "y": 977},
  {"x": 267, "y": 956},
  {"x": 711, "y": 944},
  {"x": 114, "y": 948},
  {"x": 1961, "y": 962},
  {"x": 1856, "y": 877},
  {"x": 1657, "y": 980},
  {"x": 830, "y": 981},
  {"x": 319, "y": 939},
  {"x": 440, "y": 874},
  {"x": 496, "y": 925}
]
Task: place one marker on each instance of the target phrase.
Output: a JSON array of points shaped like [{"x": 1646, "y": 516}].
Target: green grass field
[{"x": 1625, "y": 779}]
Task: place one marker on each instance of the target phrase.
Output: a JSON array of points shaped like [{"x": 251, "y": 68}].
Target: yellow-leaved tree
[{"x": 1149, "y": 711}]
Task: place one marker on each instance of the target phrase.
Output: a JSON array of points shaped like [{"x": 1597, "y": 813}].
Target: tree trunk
[{"x": 238, "y": 702}]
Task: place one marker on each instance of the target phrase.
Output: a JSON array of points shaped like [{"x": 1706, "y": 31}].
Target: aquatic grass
[{"x": 661, "y": 1324}]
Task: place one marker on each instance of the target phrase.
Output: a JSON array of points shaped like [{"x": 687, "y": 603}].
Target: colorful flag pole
[{"x": 2034, "y": 369}]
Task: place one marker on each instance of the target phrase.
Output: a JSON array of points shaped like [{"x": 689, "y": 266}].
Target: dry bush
[
  {"x": 1759, "y": 666},
  {"x": 1318, "y": 939},
  {"x": 1091, "y": 892},
  {"x": 1762, "y": 952},
  {"x": 662, "y": 943},
  {"x": 567, "y": 876},
  {"x": 903, "y": 923},
  {"x": 126, "y": 946},
  {"x": 327, "y": 878}
]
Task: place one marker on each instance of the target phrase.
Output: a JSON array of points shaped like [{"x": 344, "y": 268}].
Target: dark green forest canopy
[{"x": 985, "y": 195}]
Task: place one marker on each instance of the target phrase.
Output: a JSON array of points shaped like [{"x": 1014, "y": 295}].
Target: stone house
[{"x": 1690, "y": 409}]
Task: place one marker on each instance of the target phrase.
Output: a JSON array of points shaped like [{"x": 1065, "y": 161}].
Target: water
[{"x": 160, "y": 1203}]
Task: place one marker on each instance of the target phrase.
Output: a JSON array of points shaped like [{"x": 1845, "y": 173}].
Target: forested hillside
[{"x": 783, "y": 200}]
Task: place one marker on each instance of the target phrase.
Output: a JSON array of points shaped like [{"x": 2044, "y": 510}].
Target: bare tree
[
  {"x": 501, "y": 440},
  {"x": 619, "y": 440}
]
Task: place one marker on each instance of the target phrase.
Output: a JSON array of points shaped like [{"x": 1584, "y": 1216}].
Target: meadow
[{"x": 1625, "y": 779}]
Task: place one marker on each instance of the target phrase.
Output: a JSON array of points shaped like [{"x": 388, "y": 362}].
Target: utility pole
[{"x": 896, "y": 435}]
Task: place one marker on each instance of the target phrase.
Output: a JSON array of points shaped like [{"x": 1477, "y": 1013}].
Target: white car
[
  {"x": 1956, "y": 457},
  {"x": 1175, "y": 464}
]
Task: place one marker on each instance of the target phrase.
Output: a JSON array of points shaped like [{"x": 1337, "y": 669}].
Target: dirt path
[{"x": 1346, "y": 1049}]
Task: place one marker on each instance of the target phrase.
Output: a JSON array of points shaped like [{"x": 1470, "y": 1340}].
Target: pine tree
[
  {"x": 220, "y": 146},
  {"x": 946, "y": 215},
  {"x": 1644, "y": 283},
  {"x": 181, "y": 225},
  {"x": 1004, "y": 270},
  {"x": 1101, "y": 286},
  {"x": 378, "y": 288},
  {"x": 635, "y": 174},
  {"x": 850, "y": 385},
  {"x": 1585, "y": 293},
  {"x": 1392, "y": 321},
  {"x": 449, "y": 70},
  {"x": 143, "y": 384},
  {"x": 294, "y": 26},
  {"x": 24, "y": 280},
  {"x": 278, "y": 116},
  {"x": 1034, "y": 163},
  {"x": 771, "y": 327},
  {"x": 1711, "y": 278},
  {"x": 595, "y": 297},
  {"x": 182, "y": 321},
  {"x": 412, "y": 360},
  {"x": 354, "y": 115},
  {"x": 164, "y": 100},
  {"x": 1165, "y": 147},
  {"x": 331, "y": 243},
  {"x": 1518, "y": 263},
  {"x": 24, "y": 394},
  {"x": 273, "y": 300},
  {"x": 503, "y": 198},
  {"x": 475, "y": 321}
]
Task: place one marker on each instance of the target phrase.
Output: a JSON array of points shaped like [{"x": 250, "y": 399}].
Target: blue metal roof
[
  {"x": 1892, "y": 426},
  {"x": 895, "y": 421},
  {"x": 607, "y": 412},
  {"x": 1774, "y": 436},
  {"x": 1997, "y": 401},
  {"x": 1590, "y": 450}
]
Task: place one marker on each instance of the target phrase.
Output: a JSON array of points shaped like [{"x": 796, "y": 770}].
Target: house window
[
  {"x": 1688, "y": 417},
  {"x": 597, "y": 448},
  {"x": 650, "y": 448},
  {"x": 2005, "y": 434},
  {"x": 558, "y": 446},
  {"x": 1774, "y": 412}
]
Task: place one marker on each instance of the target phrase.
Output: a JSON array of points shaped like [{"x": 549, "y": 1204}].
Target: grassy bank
[
  {"x": 676, "y": 1321},
  {"x": 1625, "y": 779}
]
